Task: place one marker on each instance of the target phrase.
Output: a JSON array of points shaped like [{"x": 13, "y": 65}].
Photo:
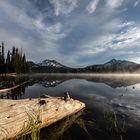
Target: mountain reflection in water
[{"x": 102, "y": 95}]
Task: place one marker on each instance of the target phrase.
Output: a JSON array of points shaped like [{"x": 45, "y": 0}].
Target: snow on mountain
[{"x": 50, "y": 63}]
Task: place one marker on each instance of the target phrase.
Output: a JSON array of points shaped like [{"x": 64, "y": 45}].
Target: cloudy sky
[{"x": 74, "y": 32}]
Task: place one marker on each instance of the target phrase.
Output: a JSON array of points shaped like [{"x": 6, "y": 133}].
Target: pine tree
[
  {"x": 8, "y": 62},
  {"x": 12, "y": 68},
  {"x": 3, "y": 59},
  {"x": 15, "y": 61},
  {"x": 0, "y": 60},
  {"x": 25, "y": 68}
]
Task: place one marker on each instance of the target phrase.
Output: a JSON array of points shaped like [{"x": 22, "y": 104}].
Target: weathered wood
[
  {"x": 17, "y": 115},
  {"x": 9, "y": 89}
]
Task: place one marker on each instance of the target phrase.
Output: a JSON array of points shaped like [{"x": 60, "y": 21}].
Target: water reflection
[
  {"x": 9, "y": 82},
  {"x": 115, "y": 82},
  {"x": 109, "y": 127},
  {"x": 119, "y": 95},
  {"x": 59, "y": 130}
]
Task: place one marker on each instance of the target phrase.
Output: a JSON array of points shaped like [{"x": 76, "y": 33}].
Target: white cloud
[
  {"x": 95, "y": 51},
  {"x": 56, "y": 28},
  {"x": 38, "y": 24},
  {"x": 91, "y": 50},
  {"x": 125, "y": 39},
  {"x": 126, "y": 24},
  {"x": 114, "y": 3},
  {"x": 135, "y": 59},
  {"x": 128, "y": 39},
  {"x": 16, "y": 15},
  {"x": 64, "y": 7},
  {"x": 136, "y": 3},
  {"x": 52, "y": 32},
  {"x": 92, "y": 6}
]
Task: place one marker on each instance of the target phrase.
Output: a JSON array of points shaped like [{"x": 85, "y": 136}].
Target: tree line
[{"x": 14, "y": 62}]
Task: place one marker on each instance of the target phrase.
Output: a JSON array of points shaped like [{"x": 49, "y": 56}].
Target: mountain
[
  {"x": 49, "y": 66},
  {"x": 119, "y": 62},
  {"x": 51, "y": 63},
  {"x": 31, "y": 64},
  {"x": 114, "y": 66}
]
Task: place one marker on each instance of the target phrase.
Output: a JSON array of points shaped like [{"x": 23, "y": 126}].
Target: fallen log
[{"x": 19, "y": 117}]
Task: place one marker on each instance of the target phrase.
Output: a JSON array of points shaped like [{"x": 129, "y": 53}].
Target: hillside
[
  {"x": 49, "y": 66},
  {"x": 114, "y": 66}
]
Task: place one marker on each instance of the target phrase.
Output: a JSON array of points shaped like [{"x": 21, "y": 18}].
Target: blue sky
[{"x": 76, "y": 33}]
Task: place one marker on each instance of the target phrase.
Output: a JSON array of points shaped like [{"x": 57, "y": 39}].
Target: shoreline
[
  {"x": 90, "y": 74},
  {"x": 83, "y": 74}
]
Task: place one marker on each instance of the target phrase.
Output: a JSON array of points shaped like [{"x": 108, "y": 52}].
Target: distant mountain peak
[
  {"x": 115, "y": 65},
  {"x": 115, "y": 61},
  {"x": 50, "y": 63},
  {"x": 112, "y": 62}
]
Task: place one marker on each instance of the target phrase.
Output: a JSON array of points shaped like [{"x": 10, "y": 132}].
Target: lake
[{"x": 112, "y": 104}]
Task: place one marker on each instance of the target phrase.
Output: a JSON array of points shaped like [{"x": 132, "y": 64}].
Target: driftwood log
[{"x": 17, "y": 117}]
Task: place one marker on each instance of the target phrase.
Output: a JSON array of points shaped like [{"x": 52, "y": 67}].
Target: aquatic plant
[
  {"x": 113, "y": 123},
  {"x": 111, "y": 126}
]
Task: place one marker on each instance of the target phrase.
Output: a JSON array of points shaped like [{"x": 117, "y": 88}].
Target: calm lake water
[{"x": 112, "y": 105}]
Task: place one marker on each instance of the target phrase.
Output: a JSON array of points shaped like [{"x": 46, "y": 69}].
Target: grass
[
  {"x": 114, "y": 124},
  {"x": 109, "y": 127},
  {"x": 31, "y": 126}
]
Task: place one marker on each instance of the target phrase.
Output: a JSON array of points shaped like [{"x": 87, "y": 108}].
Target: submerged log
[
  {"x": 6, "y": 90},
  {"x": 19, "y": 117}
]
